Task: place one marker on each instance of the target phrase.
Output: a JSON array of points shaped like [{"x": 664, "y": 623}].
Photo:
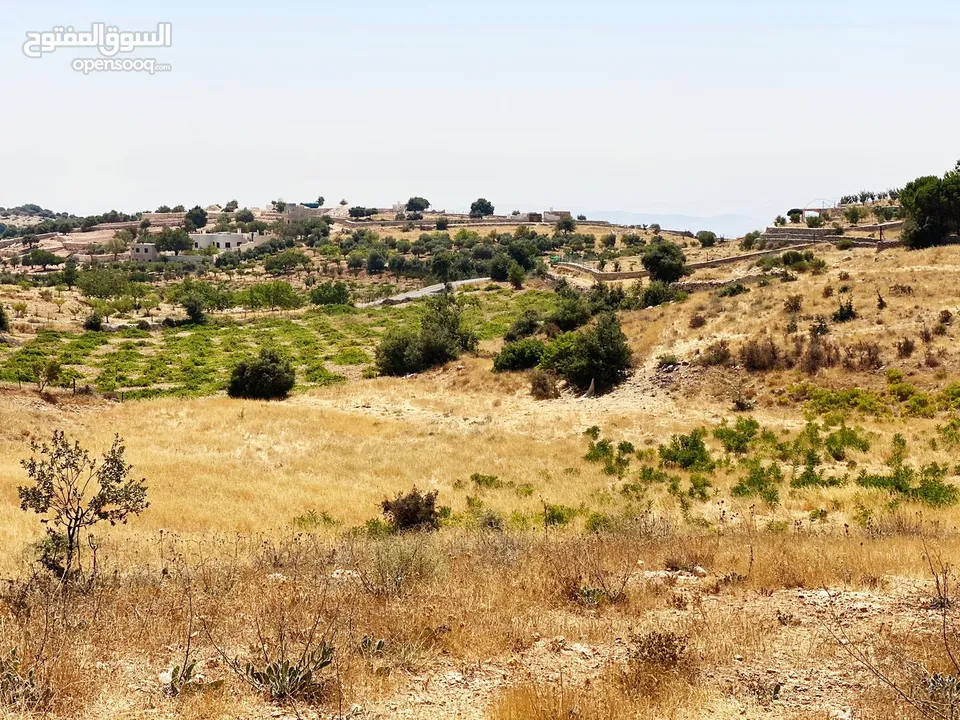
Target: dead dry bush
[{"x": 761, "y": 355}]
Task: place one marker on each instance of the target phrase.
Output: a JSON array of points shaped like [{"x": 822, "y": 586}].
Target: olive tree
[{"x": 75, "y": 492}]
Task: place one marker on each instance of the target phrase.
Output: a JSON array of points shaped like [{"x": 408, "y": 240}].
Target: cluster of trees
[
  {"x": 582, "y": 355},
  {"x": 358, "y": 211},
  {"x": 57, "y": 222},
  {"x": 865, "y": 196},
  {"x": 931, "y": 209},
  {"x": 441, "y": 336},
  {"x": 481, "y": 208},
  {"x": 199, "y": 297}
]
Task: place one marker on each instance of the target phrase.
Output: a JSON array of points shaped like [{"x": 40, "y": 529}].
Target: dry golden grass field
[{"x": 566, "y": 580}]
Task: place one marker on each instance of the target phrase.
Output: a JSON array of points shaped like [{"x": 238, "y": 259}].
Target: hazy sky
[{"x": 688, "y": 107}]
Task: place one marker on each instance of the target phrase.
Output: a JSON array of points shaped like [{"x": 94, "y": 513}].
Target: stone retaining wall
[{"x": 631, "y": 275}]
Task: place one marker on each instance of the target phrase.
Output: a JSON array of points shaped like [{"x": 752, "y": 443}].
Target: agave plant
[
  {"x": 285, "y": 680},
  {"x": 186, "y": 680}
]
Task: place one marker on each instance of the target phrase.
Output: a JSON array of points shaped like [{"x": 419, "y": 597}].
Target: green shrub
[
  {"x": 839, "y": 441},
  {"x": 845, "y": 312},
  {"x": 519, "y": 355},
  {"x": 598, "y": 354},
  {"x": 94, "y": 322},
  {"x": 557, "y": 515},
  {"x": 442, "y": 337},
  {"x": 665, "y": 261},
  {"x": 706, "y": 238},
  {"x": 761, "y": 481},
  {"x": 616, "y": 461},
  {"x": 487, "y": 482},
  {"x": 733, "y": 290},
  {"x": 812, "y": 477},
  {"x": 688, "y": 452},
  {"x": 737, "y": 439},
  {"x": 330, "y": 293},
  {"x": 572, "y": 312},
  {"x": 4, "y": 320},
  {"x": 658, "y": 293},
  {"x": 527, "y": 324},
  {"x": 927, "y": 486},
  {"x": 287, "y": 680},
  {"x": 700, "y": 487},
  {"x": 268, "y": 377}
]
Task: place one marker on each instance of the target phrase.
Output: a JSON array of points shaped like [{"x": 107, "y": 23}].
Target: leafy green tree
[
  {"x": 566, "y": 225},
  {"x": 481, "y": 208},
  {"x": 397, "y": 264},
  {"x": 103, "y": 283},
  {"x": 516, "y": 275},
  {"x": 598, "y": 354},
  {"x": 119, "y": 243},
  {"x": 706, "y": 238},
  {"x": 175, "y": 240},
  {"x": 443, "y": 223},
  {"x": 320, "y": 201},
  {"x": 361, "y": 212},
  {"x": 931, "y": 208},
  {"x": 223, "y": 224},
  {"x": 163, "y": 209},
  {"x": 572, "y": 312},
  {"x": 287, "y": 261},
  {"x": 519, "y": 355},
  {"x": 4, "y": 320},
  {"x": 330, "y": 293},
  {"x": 244, "y": 216},
  {"x": 750, "y": 240},
  {"x": 441, "y": 337},
  {"x": 665, "y": 261},
  {"x": 417, "y": 204},
  {"x": 40, "y": 257},
  {"x": 197, "y": 217},
  {"x": 376, "y": 262},
  {"x": 853, "y": 214},
  {"x": 75, "y": 493},
  {"x": 270, "y": 376},
  {"x": 231, "y": 206}
]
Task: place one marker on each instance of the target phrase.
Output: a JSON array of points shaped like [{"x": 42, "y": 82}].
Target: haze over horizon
[{"x": 687, "y": 109}]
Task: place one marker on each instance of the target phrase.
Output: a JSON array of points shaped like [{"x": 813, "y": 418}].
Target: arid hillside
[{"x": 759, "y": 521}]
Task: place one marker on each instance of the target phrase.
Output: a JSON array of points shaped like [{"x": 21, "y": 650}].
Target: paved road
[{"x": 422, "y": 292}]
